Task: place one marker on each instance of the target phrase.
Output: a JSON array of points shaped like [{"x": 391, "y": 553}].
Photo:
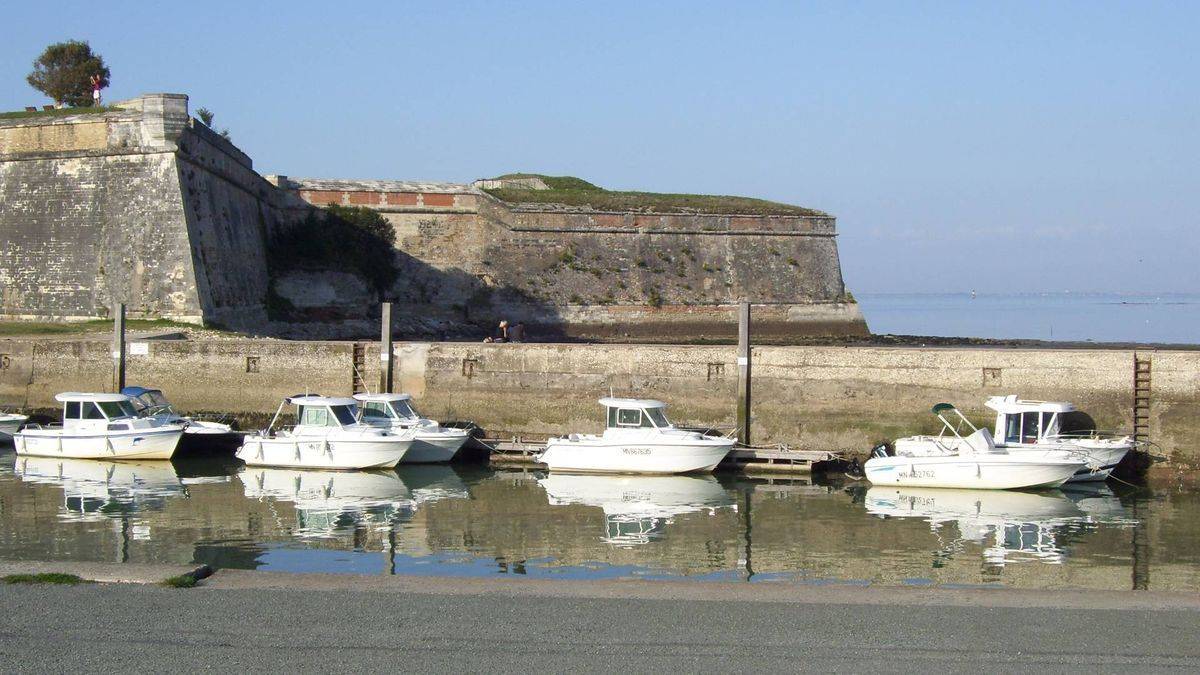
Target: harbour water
[
  {"x": 451, "y": 520},
  {"x": 1099, "y": 317}
]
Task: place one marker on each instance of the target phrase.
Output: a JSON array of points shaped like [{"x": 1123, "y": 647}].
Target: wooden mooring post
[
  {"x": 743, "y": 361},
  {"x": 118, "y": 348},
  {"x": 385, "y": 349}
]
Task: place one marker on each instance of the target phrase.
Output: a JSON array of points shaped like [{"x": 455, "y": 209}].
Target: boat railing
[
  {"x": 721, "y": 431},
  {"x": 1088, "y": 434},
  {"x": 48, "y": 426}
]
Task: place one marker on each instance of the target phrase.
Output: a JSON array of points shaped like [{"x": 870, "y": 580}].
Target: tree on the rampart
[
  {"x": 207, "y": 116},
  {"x": 65, "y": 70}
]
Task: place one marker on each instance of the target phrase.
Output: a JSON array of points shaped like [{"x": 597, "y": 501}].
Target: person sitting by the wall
[
  {"x": 501, "y": 333},
  {"x": 517, "y": 334}
]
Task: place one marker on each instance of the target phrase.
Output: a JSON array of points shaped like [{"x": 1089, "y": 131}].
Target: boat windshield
[
  {"x": 114, "y": 409},
  {"x": 374, "y": 410},
  {"x": 153, "y": 399},
  {"x": 404, "y": 409},
  {"x": 343, "y": 413},
  {"x": 657, "y": 416}
]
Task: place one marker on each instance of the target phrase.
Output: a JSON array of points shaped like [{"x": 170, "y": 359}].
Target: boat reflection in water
[
  {"x": 1009, "y": 525},
  {"x": 637, "y": 508},
  {"x": 95, "y": 489},
  {"x": 329, "y": 501}
]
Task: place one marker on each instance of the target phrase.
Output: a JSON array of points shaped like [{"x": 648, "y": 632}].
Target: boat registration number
[{"x": 636, "y": 451}]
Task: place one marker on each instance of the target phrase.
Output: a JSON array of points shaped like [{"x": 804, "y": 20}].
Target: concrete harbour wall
[{"x": 812, "y": 397}]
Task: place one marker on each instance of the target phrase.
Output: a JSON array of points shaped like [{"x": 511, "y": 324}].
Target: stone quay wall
[{"x": 830, "y": 398}]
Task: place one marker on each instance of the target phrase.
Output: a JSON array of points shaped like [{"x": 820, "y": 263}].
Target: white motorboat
[
  {"x": 637, "y": 508},
  {"x": 1048, "y": 429},
  {"x": 638, "y": 439},
  {"x": 100, "y": 426},
  {"x": 431, "y": 442},
  {"x": 326, "y": 436},
  {"x": 97, "y": 489},
  {"x": 10, "y": 423},
  {"x": 950, "y": 460},
  {"x": 152, "y": 403}
]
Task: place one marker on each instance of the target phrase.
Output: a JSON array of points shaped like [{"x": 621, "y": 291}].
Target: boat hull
[
  {"x": 1099, "y": 457},
  {"x": 432, "y": 448},
  {"x": 1004, "y": 472},
  {"x": 1101, "y": 460},
  {"x": 633, "y": 457},
  {"x": 159, "y": 443},
  {"x": 309, "y": 453}
]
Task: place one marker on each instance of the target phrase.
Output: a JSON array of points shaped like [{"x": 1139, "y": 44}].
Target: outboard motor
[{"x": 881, "y": 450}]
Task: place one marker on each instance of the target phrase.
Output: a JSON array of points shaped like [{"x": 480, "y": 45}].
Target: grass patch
[
  {"x": 93, "y": 326},
  {"x": 181, "y": 581},
  {"x": 57, "y": 112},
  {"x": 44, "y": 578},
  {"x": 571, "y": 191}
]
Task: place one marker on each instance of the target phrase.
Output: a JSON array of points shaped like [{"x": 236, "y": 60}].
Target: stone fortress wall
[
  {"x": 602, "y": 274},
  {"x": 147, "y": 206},
  {"x": 144, "y": 206}
]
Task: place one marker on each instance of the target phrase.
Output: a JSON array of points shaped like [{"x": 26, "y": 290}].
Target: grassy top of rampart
[
  {"x": 576, "y": 193},
  {"x": 57, "y": 112}
]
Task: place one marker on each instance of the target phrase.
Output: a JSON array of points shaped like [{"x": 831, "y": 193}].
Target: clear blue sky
[{"x": 999, "y": 146}]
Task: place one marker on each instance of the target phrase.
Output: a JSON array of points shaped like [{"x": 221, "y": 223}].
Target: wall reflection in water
[{"x": 454, "y": 520}]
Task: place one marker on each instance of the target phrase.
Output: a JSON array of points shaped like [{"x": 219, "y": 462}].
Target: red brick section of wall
[
  {"x": 365, "y": 198},
  {"x": 438, "y": 199},
  {"x": 401, "y": 198},
  {"x": 321, "y": 197}
]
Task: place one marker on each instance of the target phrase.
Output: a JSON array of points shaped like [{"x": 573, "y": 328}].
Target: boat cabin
[
  {"x": 323, "y": 411},
  {"x": 1020, "y": 422},
  {"x": 635, "y": 413},
  {"x": 385, "y": 408},
  {"x": 96, "y": 412}
]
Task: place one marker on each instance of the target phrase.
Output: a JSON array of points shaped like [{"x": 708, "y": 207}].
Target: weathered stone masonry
[
  {"x": 814, "y": 397},
  {"x": 588, "y": 273},
  {"x": 143, "y": 206},
  {"x": 149, "y": 207}
]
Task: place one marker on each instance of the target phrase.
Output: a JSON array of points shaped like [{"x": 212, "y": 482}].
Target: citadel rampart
[
  {"x": 143, "y": 206},
  {"x": 596, "y": 274},
  {"x": 147, "y": 206}
]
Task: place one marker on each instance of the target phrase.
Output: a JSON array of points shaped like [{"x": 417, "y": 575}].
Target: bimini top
[
  {"x": 313, "y": 399},
  {"x": 135, "y": 392},
  {"x": 1010, "y": 405},
  {"x": 77, "y": 397},
  {"x": 382, "y": 397},
  {"x": 611, "y": 402}
]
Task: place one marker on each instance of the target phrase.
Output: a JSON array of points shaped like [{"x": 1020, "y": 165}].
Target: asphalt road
[{"x": 449, "y": 627}]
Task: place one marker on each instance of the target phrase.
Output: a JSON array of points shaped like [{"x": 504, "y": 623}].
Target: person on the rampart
[{"x": 95, "y": 79}]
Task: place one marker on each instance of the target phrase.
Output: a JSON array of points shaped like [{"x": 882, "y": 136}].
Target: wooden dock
[{"x": 518, "y": 451}]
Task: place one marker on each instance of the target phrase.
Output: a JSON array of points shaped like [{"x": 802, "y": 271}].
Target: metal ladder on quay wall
[
  {"x": 359, "y": 360},
  {"x": 1141, "y": 398}
]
